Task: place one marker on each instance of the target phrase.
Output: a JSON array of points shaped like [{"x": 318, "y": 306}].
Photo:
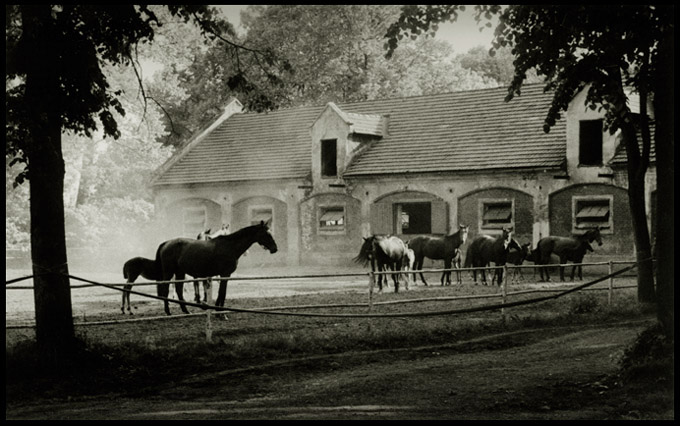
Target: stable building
[{"x": 328, "y": 175}]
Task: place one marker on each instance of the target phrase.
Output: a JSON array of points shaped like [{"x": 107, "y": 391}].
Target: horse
[
  {"x": 517, "y": 257},
  {"x": 485, "y": 249},
  {"x": 207, "y": 285},
  {"x": 457, "y": 263},
  {"x": 407, "y": 262},
  {"x": 132, "y": 269},
  {"x": 564, "y": 248},
  {"x": 386, "y": 251},
  {"x": 208, "y": 258},
  {"x": 438, "y": 248}
]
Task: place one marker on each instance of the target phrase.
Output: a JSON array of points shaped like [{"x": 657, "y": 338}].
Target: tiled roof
[
  {"x": 621, "y": 158},
  {"x": 461, "y": 131}
]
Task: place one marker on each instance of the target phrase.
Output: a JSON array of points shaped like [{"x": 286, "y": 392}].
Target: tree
[
  {"x": 606, "y": 47},
  {"x": 498, "y": 66},
  {"x": 55, "y": 84}
]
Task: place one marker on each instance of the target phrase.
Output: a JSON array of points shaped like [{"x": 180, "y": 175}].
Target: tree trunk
[
  {"x": 664, "y": 109},
  {"x": 53, "y": 315},
  {"x": 636, "y": 202}
]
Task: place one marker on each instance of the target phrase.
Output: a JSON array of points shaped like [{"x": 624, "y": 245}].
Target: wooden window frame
[
  {"x": 576, "y": 200},
  {"x": 496, "y": 228},
  {"x": 334, "y": 229}
]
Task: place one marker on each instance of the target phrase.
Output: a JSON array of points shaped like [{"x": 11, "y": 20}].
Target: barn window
[
  {"x": 194, "y": 221},
  {"x": 496, "y": 214},
  {"x": 590, "y": 143},
  {"x": 413, "y": 218},
  {"x": 259, "y": 214},
  {"x": 591, "y": 212},
  {"x": 332, "y": 218},
  {"x": 329, "y": 158}
]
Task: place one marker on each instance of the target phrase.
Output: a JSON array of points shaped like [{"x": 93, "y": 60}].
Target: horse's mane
[{"x": 248, "y": 230}]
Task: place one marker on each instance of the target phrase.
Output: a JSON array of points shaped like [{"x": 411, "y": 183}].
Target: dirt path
[{"x": 548, "y": 373}]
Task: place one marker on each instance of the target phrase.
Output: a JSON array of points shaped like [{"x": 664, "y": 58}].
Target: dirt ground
[{"x": 533, "y": 373}]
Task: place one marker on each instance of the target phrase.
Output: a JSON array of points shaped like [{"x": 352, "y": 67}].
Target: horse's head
[
  {"x": 264, "y": 238},
  {"x": 525, "y": 250},
  {"x": 594, "y": 235},
  {"x": 463, "y": 232},
  {"x": 366, "y": 251},
  {"x": 507, "y": 239},
  {"x": 514, "y": 245}
]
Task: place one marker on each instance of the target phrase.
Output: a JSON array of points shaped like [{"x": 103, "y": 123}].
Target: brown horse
[
  {"x": 485, "y": 249},
  {"x": 132, "y": 269},
  {"x": 208, "y": 258},
  {"x": 386, "y": 251},
  {"x": 438, "y": 248},
  {"x": 565, "y": 248}
]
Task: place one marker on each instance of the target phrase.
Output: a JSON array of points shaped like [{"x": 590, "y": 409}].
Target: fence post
[
  {"x": 611, "y": 284},
  {"x": 208, "y": 326},
  {"x": 504, "y": 290},
  {"x": 371, "y": 284}
]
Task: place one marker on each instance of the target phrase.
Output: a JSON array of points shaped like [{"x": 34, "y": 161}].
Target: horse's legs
[
  {"x": 447, "y": 274},
  {"x": 419, "y": 261},
  {"x": 222, "y": 292},
  {"x": 197, "y": 292},
  {"x": 126, "y": 296},
  {"x": 207, "y": 292},
  {"x": 396, "y": 266},
  {"x": 163, "y": 290},
  {"x": 179, "y": 289},
  {"x": 562, "y": 261}
]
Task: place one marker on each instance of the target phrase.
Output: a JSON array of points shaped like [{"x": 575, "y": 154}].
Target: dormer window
[
  {"x": 590, "y": 143},
  {"x": 329, "y": 158}
]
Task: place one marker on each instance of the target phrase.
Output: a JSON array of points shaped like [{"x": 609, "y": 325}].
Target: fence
[{"x": 281, "y": 310}]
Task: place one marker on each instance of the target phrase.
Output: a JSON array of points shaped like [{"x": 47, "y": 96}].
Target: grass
[{"x": 132, "y": 358}]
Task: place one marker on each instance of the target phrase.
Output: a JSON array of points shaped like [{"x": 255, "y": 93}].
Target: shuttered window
[
  {"x": 332, "y": 218},
  {"x": 409, "y": 218},
  {"x": 496, "y": 214},
  {"x": 592, "y": 212}
]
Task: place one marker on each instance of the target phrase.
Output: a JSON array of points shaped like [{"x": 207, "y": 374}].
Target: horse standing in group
[
  {"x": 566, "y": 248},
  {"x": 385, "y": 251},
  {"x": 438, "y": 248},
  {"x": 207, "y": 284},
  {"x": 208, "y": 258},
  {"x": 485, "y": 249}
]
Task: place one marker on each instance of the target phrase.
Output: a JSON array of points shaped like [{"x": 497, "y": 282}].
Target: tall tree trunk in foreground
[{"x": 53, "y": 315}]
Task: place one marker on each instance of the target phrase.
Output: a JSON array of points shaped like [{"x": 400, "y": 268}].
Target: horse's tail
[
  {"x": 158, "y": 266},
  {"x": 363, "y": 257}
]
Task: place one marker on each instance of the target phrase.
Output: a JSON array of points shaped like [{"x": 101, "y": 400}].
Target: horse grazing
[
  {"x": 132, "y": 269},
  {"x": 207, "y": 284},
  {"x": 565, "y": 248},
  {"x": 386, "y": 251},
  {"x": 208, "y": 258},
  {"x": 485, "y": 249},
  {"x": 438, "y": 248}
]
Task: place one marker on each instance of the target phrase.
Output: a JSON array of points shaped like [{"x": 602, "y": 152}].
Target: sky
[{"x": 462, "y": 34}]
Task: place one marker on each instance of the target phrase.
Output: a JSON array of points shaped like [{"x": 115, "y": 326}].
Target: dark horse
[
  {"x": 438, "y": 248},
  {"x": 565, "y": 248},
  {"x": 132, "y": 269},
  {"x": 208, "y": 258},
  {"x": 386, "y": 251},
  {"x": 207, "y": 285},
  {"x": 485, "y": 249}
]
